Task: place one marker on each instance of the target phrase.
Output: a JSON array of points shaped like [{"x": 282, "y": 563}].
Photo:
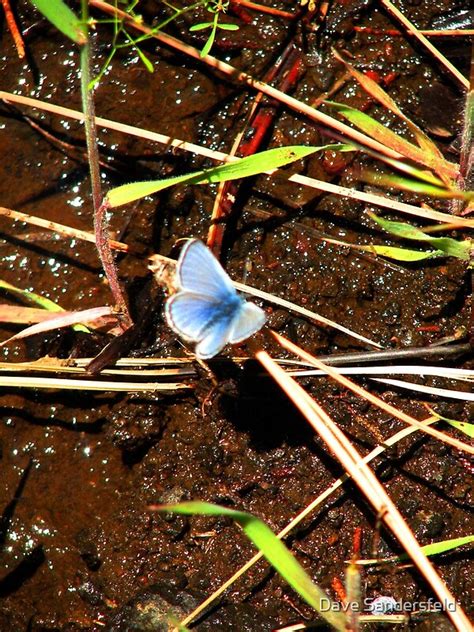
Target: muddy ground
[{"x": 80, "y": 550}]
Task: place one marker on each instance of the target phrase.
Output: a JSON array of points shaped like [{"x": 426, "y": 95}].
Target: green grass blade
[
  {"x": 61, "y": 16},
  {"x": 403, "y": 254},
  {"x": 379, "y": 94},
  {"x": 416, "y": 186},
  {"x": 371, "y": 127},
  {"x": 449, "y": 247},
  {"x": 435, "y": 548},
  {"x": 445, "y": 545},
  {"x": 275, "y": 552},
  {"x": 462, "y": 426},
  {"x": 250, "y": 166}
]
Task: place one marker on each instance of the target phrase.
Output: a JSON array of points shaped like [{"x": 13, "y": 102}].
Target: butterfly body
[{"x": 207, "y": 309}]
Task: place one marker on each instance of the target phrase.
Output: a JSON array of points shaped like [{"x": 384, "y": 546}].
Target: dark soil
[{"x": 80, "y": 550}]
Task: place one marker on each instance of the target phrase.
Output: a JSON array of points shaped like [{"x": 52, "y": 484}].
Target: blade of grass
[
  {"x": 274, "y": 551},
  {"x": 378, "y": 93},
  {"x": 451, "y": 247},
  {"x": 61, "y": 16},
  {"x": 435, "y": 548},
  {"x": 369, "y": 125},
  {"x": 402, "y": 254},
  {"x": 243, "y": 168},
  {"x": 416, "y": 186},
  {"x": 462, "y": 426}
]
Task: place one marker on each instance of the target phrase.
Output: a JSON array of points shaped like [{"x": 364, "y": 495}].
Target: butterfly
[{"x": 207, "y": 309}]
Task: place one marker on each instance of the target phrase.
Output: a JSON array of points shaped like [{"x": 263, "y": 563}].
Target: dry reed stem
[
  {"x": 427, "y": 32},
  {"x": 60, "y": 229},
  {"x": 309, "y": 509},
  {"x": 320, "y": 185},
  {"x": 373, "y": 399},
  {"x": 88, "y": 385},
  {"x": 57, "y": 365},
  {"x": 368, "y": 483}
]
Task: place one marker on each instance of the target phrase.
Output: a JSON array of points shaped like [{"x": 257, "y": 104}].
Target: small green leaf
[
  {"x": 275, "y": 552},
  {"x": 463, "y": 426},
  {"x": 249, "y": 166},
  {"x": 61, "y": 16},
  {"x": 146, "y": 62},
  {"x": 210, "y": 41},
  {"x": 201, "y": 26},
  {"x": 227, "y": 27}
]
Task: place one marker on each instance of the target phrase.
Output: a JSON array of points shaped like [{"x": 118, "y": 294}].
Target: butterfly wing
[
  {"x": 189, "y": 314},
  {"x": 199, "y": 271},
  {"x": 249, "y": 318},
  {"x": 215, "y": 338}
]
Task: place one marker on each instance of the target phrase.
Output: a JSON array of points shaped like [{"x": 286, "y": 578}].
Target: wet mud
[{"x": 80, "y": 549}]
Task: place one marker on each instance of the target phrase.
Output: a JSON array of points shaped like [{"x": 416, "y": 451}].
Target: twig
[
  {"x": 13, "y": 28},
  {"x": 88, "y": 385},
  {"x": 427, "y": 33},
  {"x": 100, "y": 207},
  {"x": 263, "y": 9}
]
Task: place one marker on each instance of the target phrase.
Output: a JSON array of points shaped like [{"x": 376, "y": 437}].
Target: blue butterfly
[{"x": 207, "y": 309}]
